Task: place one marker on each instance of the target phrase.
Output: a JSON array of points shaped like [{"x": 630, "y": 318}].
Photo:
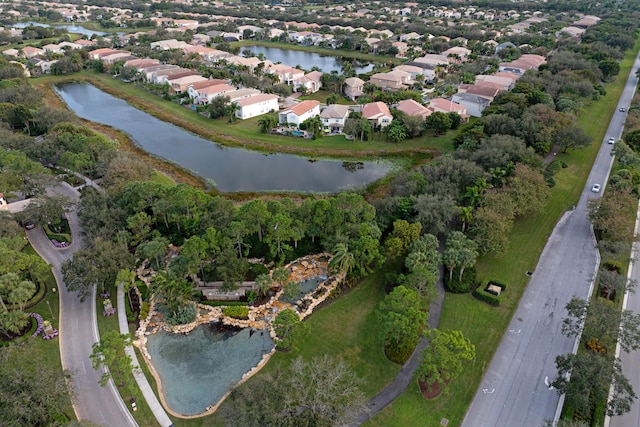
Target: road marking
[
  {"x": 547, "y": 383},
  {"x": 487, "y": 391},
  {"x": 83, "y": 368},
  {"x": 513, "y": 331}
]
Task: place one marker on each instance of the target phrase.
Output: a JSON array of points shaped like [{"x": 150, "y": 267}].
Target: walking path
[
  {"x": 405, "y": 376},
  {"x": 143, "y": 384}
]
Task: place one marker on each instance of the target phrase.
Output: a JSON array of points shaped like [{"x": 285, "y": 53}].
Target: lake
[
  {"x": 231, "y": 169},
  {"x": 307, "y": 60},
  {"x": 70, "y": 28}
]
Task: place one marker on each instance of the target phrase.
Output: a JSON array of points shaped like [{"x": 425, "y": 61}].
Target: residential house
[
  {"x": 236, "y": 95},
  {"x": 286, "y": 74},
  {"x": 402, "y": 49},
  {"x": 70, "y": 45},
  {"x": 168, "y": 44},
  {"x": 99, "y": 53},
  {"x": 310, "y": 81},
  {"x": 353, "y": 87},
  {"x": 159, "y": 76},
  {"x": 147, "y": 72},
  {"x": 413, "y": 70},
  {"x": 445, "y": 106},
  {"x": 194, "y": 88},
  {"x": 31, "y": 52},
  {"x": 523, "y": 64},
  {"x": 141, "y": 63},
  {"x": 250, "y": 63},
  {"x": 413, "y": 108},
  {"x": 206, "y": 94},
  {"x": 394, "y": 80},
  {"x": 409, "y": 37},
  {"x": 181, "y": 84},
  {"x": 457, "y": 54},
  {"x": 378, "y": 114},
  {"x": 115, "y": 57},
  {"x": 506, "y": 80},
  {"x": 333, "y": 118},
  {"x": 11, "y": 52},
  {"x": 300, "y": 112},
  {"x": 53, "y": 48},
  {"x": 485, "y": 90},
  {"x": 256, "y": 105},
  {"x": 473, "y": 104}
]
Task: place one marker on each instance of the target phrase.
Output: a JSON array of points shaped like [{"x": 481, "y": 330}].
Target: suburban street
[
  {"x": 78, "y": 332},
  {"x": 514, "y": 390}
]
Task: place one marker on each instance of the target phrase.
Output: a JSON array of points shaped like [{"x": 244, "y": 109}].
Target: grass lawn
[
  {"x": 246, "y": 133},
  {"x": 485, "y": 325},
  {"x": 321, "y": 96}
]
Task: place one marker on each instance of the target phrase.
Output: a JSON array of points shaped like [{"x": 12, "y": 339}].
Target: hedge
[
  {"x": 225, "y": 303},
  {"x": 457, "y": 286},
  {"x": 483, "y": 295},
  {"x": 237, "y": 312}
]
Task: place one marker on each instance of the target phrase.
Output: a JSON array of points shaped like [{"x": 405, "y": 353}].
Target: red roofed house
[
  {"x": 413, "y": 108},
  {"x": 300, "y": 112},
  {"x": 444, "y": 106},
  {"x": 378, "y": 114}
]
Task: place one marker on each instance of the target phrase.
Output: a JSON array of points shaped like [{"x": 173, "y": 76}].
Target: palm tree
[
  {"x": 343, "y": 260},
  {"x": 465, "y": 214},
  {"x": 264, "y": 282},
  {"x": 281, "y": 276}
]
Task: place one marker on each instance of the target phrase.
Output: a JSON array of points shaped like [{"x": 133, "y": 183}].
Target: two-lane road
[
  {"x": 78, "y": 332},
  {"x": 514, "y": 390}
]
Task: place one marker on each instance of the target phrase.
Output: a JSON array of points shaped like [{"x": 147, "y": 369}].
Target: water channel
[
  {"x": 79, "y": 29},
  {"x": 307, "y": 60},
  {"x": 231, "y": 169}
]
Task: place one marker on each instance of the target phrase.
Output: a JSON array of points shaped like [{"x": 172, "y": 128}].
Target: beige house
[
  {"x": 394, "y": 80},
  {"x": 353, "y": 87},
  {"x": 440, "y": 105},
  {"x": 181, "y": 84},
  {"x": 413, "y": 108},
  {"x": 206, "y": 94},
  {"x": 300, "y": 112},
  {"x": 333, "y": 118},
  {"x": 31, "y": 52}
]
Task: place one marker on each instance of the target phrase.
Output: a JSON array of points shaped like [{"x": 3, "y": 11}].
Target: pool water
[{"x": 196, "y": 370}]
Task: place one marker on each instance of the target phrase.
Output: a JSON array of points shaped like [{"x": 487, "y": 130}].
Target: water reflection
[{"x": 231, "y": 169}]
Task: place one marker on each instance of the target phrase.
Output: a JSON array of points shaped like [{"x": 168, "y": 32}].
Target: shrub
[
  {"x": 223, "y": 303},
  {"x": 144, "y": 310},
  {"x": 255, "y": 270},
  {"x": 483, "y": 295},
  {"x": 237, "y": 312},
  {"x": 185, "y": 315},
  {"x": 458, "y": 286}
]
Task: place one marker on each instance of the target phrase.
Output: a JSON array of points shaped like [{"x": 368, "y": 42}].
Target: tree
[
  {"x": 609, "y": 214},
  {"x": 401, "y": 321},
  {"x": 439, "y": 122},
  {"x": 609, "y": 67},
  {"x": 404, "y": 233},
  {"x": 154, "y": 250},
  {"x": 26, "y": 375},
  {"x": 21, "y": 293},
  {"x": 12, "y": 322},
  {"x": 47, "y": 209},
  {"x": 465, "y": 215},
  {"x": 343, "y": 260},
  {"x": 600, "y": 320},
  {"x": 613, "y": 282},
  {"x": 591, "y": 377},
  {"x": 443, "y": 359},
  {"x": 397, "y": 131},
  {"x": 255, "y": 215},
  {"x": 281, "y": 276},
  {"x": 314, "y": 125},
  {"x": 414, "y": 125},
  {"x": 435, "y": 211},
  {"x": 177, "y": 294},
  {"x": 264, "y": 282},
  {"x": 528, "y": 190},
  {"x": 572, "y": 136},
  {"x": 218, "y": 107},
  {"x": 490, "y": 230},
  {"x": 288, "y": 328},
  {"x": 110, "y": 353},
  {"x": 267, "y": 122}
]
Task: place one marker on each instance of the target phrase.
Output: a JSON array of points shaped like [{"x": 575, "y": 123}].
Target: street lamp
[{"x": 50, "y": 311}]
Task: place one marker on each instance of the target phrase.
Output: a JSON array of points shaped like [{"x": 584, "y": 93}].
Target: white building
[{"x": 256, "y": 105}]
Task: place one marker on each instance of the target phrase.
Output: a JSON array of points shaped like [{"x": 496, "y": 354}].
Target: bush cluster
[
  {"x": 457, "y": 286},
  {"x": 238, "y": 312},
  {"x": 483, "y": 295}
]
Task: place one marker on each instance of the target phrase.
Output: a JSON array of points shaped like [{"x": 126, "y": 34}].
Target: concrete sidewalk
[{"x": 143, "y": 384}]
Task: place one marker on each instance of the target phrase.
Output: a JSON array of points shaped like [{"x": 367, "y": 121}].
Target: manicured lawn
[
  {"x": 321, "y": 96},
  {"x": 485, "y": 325}
]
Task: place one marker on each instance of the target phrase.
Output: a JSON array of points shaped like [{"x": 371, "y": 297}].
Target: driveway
[
  {"x": 514, "y": 390},
  {"x": 78, "y": 332}
]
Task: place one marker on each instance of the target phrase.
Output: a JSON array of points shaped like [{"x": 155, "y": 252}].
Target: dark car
[
  {"x": 622, "y": 109},
  {"x": 29, "y": 225}
]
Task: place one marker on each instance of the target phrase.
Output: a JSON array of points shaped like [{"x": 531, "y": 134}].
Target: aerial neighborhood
[
  {"x": 414, "y": 65},
  {"x": 327, "y": 213}
]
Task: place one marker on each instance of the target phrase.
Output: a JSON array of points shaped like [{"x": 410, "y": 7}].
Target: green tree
[
  {"x": 572, "y": 136},
  {"x": 401, "y": 320},
  {"x": 397, "y": 131},
  {"x": 263, "y": 283},
  {"x": 27, "y": 375},
  {"x": 267, "y": 122},
  {"x": 609, "y": 67},
  {"x": 443, "y": 359},
  {"x": 439, "y": 122},
  {"x": 110, "y": 353},
  {"x": 154, "y": 250},
  {"x": 12, "y": 322},
  {"x": 21, "y": 293},
  {"x": 592, "y": 375},
  {"x": 343, "y": 260},
  {"x": 289, "y": 328},
  {"x": 465, "y": 215},
  {"x": 218, "y": 107}
]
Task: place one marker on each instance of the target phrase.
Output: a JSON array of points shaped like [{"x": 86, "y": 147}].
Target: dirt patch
[{"x": 431, "y": 391}]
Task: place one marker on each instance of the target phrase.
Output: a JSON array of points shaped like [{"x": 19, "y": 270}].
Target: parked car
[
  {"x": 612, "y": 140},
  {"x": 29, "y": 225},
  {"x": 595, "y": 188}
]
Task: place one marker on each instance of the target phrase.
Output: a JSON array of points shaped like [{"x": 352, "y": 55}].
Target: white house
[
  {"x": 300, "y": 112},
  {"x": 256, "y": 105}
]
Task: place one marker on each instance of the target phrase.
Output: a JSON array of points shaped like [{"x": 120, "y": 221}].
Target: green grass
[
  {"x": 246, "y": 133},
  {"x": 485, "y": 325},
  {"x": 321, "y": 96}
]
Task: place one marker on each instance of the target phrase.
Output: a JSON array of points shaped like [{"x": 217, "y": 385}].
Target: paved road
[
  {"x": 78, "y": 332},
  {"x": 630, "y": 366},
  {"x": 514, "y": 390}
]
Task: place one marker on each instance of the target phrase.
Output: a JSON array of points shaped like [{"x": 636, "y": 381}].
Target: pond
[
  {"x": 307, "y": 60},
  {"x": 79, "y": 29},
  {"x": 231, "y": 169},
  {"x": 196, "y": 370}
]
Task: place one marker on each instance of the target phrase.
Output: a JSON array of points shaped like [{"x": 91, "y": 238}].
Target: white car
[
  {"x": 595, "y": 188},
  {"x": 612, "y": 140}
]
